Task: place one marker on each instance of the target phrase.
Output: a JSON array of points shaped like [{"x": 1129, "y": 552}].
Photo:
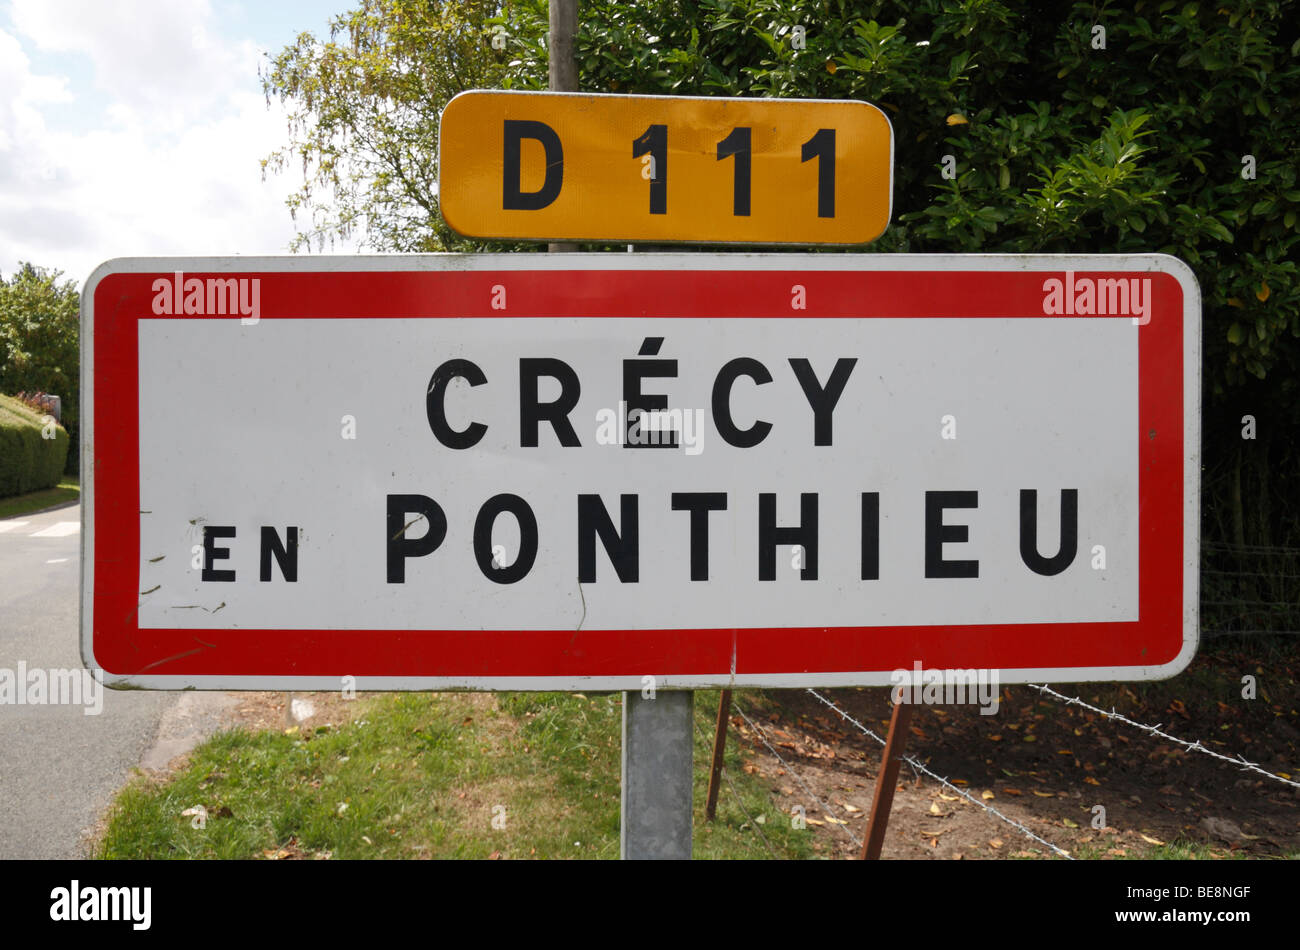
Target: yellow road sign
[{"x": 573, "y": 166}]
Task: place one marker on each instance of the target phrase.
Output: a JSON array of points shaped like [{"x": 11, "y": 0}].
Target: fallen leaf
[
  {"x": 1031, "y": 738},
  {"x": 852, "y": 809},
  {"x": 1069, "y": 824},
  {"x": 996, "y": 843},
  {"x": 1150, "y": 840},
  {"x": 959, "y": 781},
  {"x": 934, "y": 809},
  {"x": 1044, "y": 794},
  {"x": 814, "y": 821},
  {"x": 987, "y": 795},
  {"x": 935, "y": 833},
  {"x": 835, "y": 821},
  {"x": 1089, "y": 780},
  {"x": 950, "y": 798},
  {"x": 1012, "y": 791}
]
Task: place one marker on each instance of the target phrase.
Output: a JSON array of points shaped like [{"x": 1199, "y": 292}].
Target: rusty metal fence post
[{"x": 885, "y": 781}]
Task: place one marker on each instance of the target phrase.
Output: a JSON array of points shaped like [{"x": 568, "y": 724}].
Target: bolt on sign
[
  {"x": 574, "y": 471},
  {"x": 575, "y": 166}
]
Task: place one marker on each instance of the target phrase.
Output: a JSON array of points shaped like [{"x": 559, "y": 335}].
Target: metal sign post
[{"x": 658, "y": 775}]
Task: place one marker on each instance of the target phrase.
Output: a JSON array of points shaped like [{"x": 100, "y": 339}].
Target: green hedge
[{"x": 28, "y": 461}]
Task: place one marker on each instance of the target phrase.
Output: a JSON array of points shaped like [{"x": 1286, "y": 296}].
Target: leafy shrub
[
  {"x": 39, "y": 351},
  {"x": 28, "y": 460}
]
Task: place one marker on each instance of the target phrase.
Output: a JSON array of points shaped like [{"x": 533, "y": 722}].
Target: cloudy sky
[{"x": 135, "y": 127}]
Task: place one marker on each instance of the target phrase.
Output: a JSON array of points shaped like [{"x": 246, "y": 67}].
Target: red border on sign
[{"x": 122, "y": 648}]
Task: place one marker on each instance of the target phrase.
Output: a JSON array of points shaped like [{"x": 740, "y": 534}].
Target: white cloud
[
  {"x": 164, "y": 156},
  {"x": 26, "y": 160},
  {"x": 160, "y": 61}
]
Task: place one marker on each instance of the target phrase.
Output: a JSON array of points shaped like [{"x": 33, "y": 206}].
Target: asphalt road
[{"x": 58, "y": 766}]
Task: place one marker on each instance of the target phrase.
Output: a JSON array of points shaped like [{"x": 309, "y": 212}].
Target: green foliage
[
  {"x": 28, "y": 461},
  {"x": 363, "y": 109},
  {"x": 40, "y": 321},
  {"x": 1064, "y": 147},
  {"x": 1059, "y": 146}
]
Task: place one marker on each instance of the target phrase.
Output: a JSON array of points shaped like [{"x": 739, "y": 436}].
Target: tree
[
  {"x": 1080, "y": 127},
  {"x": 363, "y": 111},
  {"x": 40, "y": 320}
]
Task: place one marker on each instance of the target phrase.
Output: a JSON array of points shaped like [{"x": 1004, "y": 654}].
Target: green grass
[
  {"x": 68, "y": 489},
  {"x": 424, "y": 775},
  {"x": 1177, "y": 850}
]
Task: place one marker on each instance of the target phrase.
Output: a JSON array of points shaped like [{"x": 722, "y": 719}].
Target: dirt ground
[
  {"x": 1047, "y": 765},
  {"x": 1037, "y": 760}
]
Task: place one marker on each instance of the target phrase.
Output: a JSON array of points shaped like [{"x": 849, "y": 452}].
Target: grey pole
[
  {"x": 563, "y": 67},
  {"x": 658, "y": 775}
]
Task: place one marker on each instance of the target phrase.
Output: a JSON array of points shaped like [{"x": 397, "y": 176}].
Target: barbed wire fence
[
  {"x": 920, "y": 769},
  {"x": 916, "y": 765},
  {"x": 757, "y": 826},
  {"x": 1246, "y": 590},
  {"x": 1156, "y": 730},
  {"x": 794, "y": 773}
]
